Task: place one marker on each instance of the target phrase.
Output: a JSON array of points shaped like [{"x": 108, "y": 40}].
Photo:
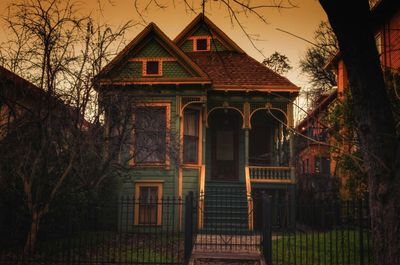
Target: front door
[{"x": 225, "y": 144}]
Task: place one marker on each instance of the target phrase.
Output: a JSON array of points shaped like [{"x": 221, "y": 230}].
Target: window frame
[
  {"x": 199, "y": 136},
  {"x": 144, "y": 67},
  {"x": 166, "y": 162},
  {"x": 147, "y": 184},
  {"x": 207, "y": 38}
]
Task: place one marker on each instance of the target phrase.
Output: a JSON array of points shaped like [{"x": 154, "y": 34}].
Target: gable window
[
  {"x": 152, "y": 68},
  {"x": 148, "y": 206},
  {"x": 201, "y": 44},
  {"x": 191, "y": 136},
  {"x": 150, "y": 134}
]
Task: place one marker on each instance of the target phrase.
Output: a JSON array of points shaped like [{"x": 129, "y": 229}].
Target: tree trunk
[
  {"x": 31, "y": 239},
  {"x": 352, "y": 24}
]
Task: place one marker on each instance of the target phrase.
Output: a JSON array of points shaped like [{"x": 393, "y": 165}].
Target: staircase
[{"x": 225, "y": 208}]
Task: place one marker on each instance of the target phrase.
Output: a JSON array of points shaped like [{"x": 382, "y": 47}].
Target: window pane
[
  {"x": 191, "y": 123},
  {"x": 152, "y": 67},
  {"x": 201, "y": 44},
  {"x": 150, "y": 135},
  {"x": 191, "y": 136},
  {"x": 190, "y": 149},
  {"x": 148, "y": 205}
]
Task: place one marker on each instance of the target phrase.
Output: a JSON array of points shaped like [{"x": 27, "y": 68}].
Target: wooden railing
[
  {"x": 271, "y": 174},
  {"x": 249, "y": 198},
  {"x": 202, "y": 185}
]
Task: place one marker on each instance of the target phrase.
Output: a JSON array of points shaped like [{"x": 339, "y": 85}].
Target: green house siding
[
  {"x": 190, "y": 181},
  {"x": 216, "y": 45},
  {"x": 152, "y": 49},
  {"x": 173, "y": 69},
  {"x": 129, "y": 71},
  {"x": 133, "y": 70},
  {"x": 201, "y": 31}
]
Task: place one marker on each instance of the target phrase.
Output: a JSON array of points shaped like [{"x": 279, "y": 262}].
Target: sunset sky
[{"x": 301, "y": 21}]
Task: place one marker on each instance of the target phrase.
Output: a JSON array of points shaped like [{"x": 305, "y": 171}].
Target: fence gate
[{"x": 221, "y": 222}]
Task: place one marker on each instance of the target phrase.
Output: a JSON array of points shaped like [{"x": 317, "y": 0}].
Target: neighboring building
[
  {"x": 386, "y": 21},
  {"x": 224, "y": 113},
  {"x": 314, "y": 155},
  {"x": 18, "y": 98},
  {"x": 315, "y": 167}
]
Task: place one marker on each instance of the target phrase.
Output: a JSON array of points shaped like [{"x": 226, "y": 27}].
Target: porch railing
[
  {"x": 271, "y": 174},
  {"x": 249, "y": 198},
  {"x": 202, "y": 185}
]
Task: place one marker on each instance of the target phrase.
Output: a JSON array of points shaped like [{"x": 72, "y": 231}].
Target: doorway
[{"x": 224, "y": 126}]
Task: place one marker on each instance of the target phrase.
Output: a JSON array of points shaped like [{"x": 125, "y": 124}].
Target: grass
[
  {"x": 339, "y": 247},
  {"x": 108, "y": 247}
]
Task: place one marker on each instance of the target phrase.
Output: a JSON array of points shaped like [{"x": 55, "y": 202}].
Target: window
[
  {"x": 201, "y": 44},
  {"x": 150, "y": 134},
  {"x": 191, "y": 136},
  {"x": 152, "y": 68},
  {"x": 322, "y": 165},
  {"x": 148, "y": 206}
]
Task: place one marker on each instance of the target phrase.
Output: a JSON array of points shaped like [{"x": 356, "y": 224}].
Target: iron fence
[
  {"x": 168, "y": 231},
  {"x": 324, "y": 232},
  {"x": 128, "y": 231}
]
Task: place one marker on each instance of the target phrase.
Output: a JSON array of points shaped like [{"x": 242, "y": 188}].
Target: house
[
  {"x": 316, "y": 171},
  {"x": 17, "y": 97},
  {"x": 386, "y": 25},
  {"x": 207, "y": 118}
]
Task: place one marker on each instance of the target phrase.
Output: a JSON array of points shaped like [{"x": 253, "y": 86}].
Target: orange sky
[{"x": 302, "y": 21}]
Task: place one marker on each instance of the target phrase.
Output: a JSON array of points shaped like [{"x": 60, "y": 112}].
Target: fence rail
[
  {"x": 324, "y": 233},
  {"x": 103, "y": 234},
  {"x": 312, "y": 232}
]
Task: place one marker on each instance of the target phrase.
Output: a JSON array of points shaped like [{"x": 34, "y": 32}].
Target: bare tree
[{"x": 60, "y": 51}]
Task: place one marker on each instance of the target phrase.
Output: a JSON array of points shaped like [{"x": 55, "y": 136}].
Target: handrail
[
  {"x": 268, "y": 167},
  {"x": 202, "y": 184},
  {"x": 271, "y": 174},
  {"x": 249, "y": 198}
]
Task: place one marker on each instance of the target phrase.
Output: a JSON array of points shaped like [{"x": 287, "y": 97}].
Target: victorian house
[{"x": 207, "y": 118}]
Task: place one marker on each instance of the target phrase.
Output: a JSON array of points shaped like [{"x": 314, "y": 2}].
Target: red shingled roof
[{"x": 229, "y": 69}]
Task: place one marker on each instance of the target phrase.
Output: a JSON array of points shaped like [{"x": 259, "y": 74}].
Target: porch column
[
  {"x": 246, "y": 127},
  {"x": 246, "y": 146}
]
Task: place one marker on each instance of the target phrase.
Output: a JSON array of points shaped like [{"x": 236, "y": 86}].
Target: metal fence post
[
  {"x": 267, "y": 227},
  {"x": 361, "y": 231},
  {"x": 188, "y": 226}
]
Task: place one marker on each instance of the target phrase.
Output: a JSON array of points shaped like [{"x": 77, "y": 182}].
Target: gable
[
  {"x": 151, "y": 58},
  {"x": 133, "y": 67},
  {"x": 202, "y": 27},
  {"x": 202, "y": 32}
]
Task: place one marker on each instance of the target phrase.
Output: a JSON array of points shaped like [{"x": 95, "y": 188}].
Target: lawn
[
  {"x": 339, "y": 247},
  {"x": 107, "y": 248}
]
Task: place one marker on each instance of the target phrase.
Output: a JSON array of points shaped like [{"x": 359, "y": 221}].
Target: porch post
[
  {"x": 246, "y": 127},
  {"x": 246, "y": 146}
]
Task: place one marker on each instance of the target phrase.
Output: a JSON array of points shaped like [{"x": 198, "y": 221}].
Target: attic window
[
  {"x": 201, "y": 44},
  {"x": 152, "y": 68}
]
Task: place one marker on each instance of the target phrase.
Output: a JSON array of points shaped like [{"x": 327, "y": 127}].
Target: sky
[{"x": 301, "y": 20}]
